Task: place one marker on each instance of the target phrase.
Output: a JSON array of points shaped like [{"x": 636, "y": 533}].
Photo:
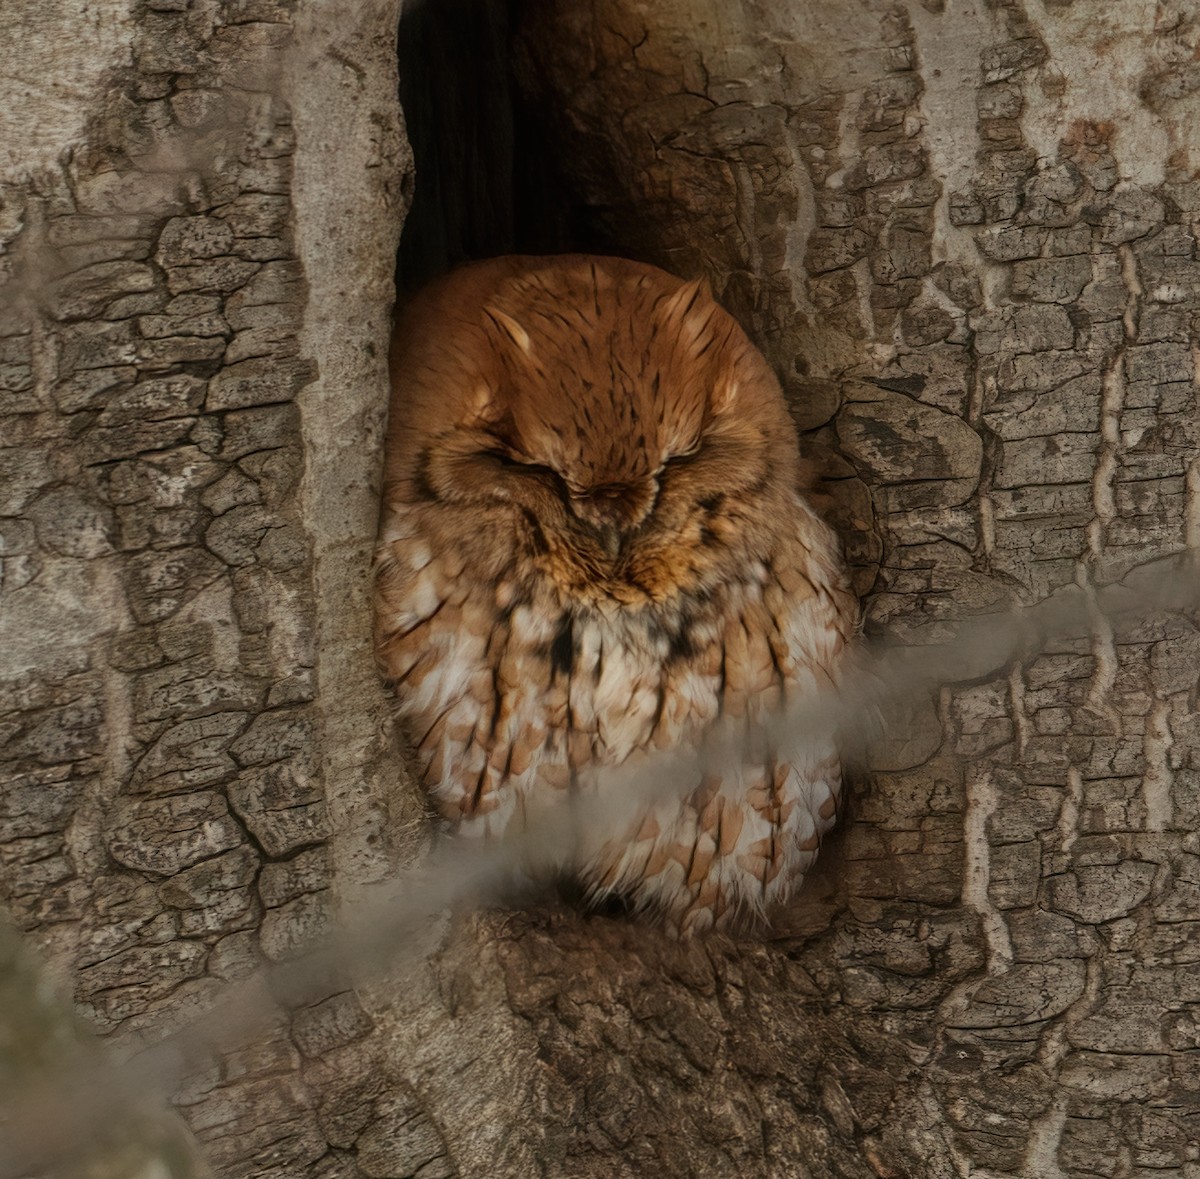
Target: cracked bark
[{"x": 965, "y": 237}]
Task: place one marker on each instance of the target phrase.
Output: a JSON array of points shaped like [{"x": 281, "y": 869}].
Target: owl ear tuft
[
  {"x": 511, "y": 328},
  {"x": 724, "y": 395},
  {"x": 688, "y": 303},
  {"x": 688, "y": 315},
  {"x": 480, "y": 407}
]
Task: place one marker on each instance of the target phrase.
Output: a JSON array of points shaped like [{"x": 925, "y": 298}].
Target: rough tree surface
[
  {"x": 965, "y": 235},
  {"x": 196, "y": 759}
]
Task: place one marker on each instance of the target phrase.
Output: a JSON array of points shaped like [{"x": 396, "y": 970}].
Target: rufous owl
[{"x": 593, "y": 545}]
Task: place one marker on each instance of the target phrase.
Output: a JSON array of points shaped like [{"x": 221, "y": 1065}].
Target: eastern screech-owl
[{"x": 592, "y": 545}]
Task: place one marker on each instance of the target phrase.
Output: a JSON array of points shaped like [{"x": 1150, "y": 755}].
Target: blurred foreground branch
[{"x": 84, "y": 1091}]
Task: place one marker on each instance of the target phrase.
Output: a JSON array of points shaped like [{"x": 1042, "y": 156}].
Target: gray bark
[{"x": 965, "y": 237}]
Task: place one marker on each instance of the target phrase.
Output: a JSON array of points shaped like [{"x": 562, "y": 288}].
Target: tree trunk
[{"x": 963, "y": 234}]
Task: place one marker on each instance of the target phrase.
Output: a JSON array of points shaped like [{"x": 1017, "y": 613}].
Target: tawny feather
[{"x": 592, "y": 545}]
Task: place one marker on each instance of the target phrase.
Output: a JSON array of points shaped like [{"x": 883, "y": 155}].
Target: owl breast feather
[{"x": 592, "y": 548}]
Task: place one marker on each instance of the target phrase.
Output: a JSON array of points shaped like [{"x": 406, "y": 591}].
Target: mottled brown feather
[{"x": 592, "y": 545}]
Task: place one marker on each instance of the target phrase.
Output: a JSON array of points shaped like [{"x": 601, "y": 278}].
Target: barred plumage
[{"x": 592, "y": 544}]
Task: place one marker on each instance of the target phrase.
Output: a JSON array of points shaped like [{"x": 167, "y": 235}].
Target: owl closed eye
[{"x": 592, "y": 545}]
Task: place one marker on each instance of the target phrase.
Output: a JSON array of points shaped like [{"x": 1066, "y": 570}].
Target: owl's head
[{"x": 602, "y": 418}]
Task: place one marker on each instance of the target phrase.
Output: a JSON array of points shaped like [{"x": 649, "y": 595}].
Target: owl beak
[
  {"x": 611, "y": 514},
  {"x": 606, "y": 528},
  {"x": 611, "y": 538}
]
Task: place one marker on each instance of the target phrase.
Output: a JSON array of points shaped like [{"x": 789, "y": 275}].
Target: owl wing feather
[
  {"x": 538, "y": 405},
  {"x": 496, "y": 723}
]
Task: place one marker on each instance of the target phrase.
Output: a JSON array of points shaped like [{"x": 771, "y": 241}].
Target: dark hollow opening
[{"x": 486, "y": 181}]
